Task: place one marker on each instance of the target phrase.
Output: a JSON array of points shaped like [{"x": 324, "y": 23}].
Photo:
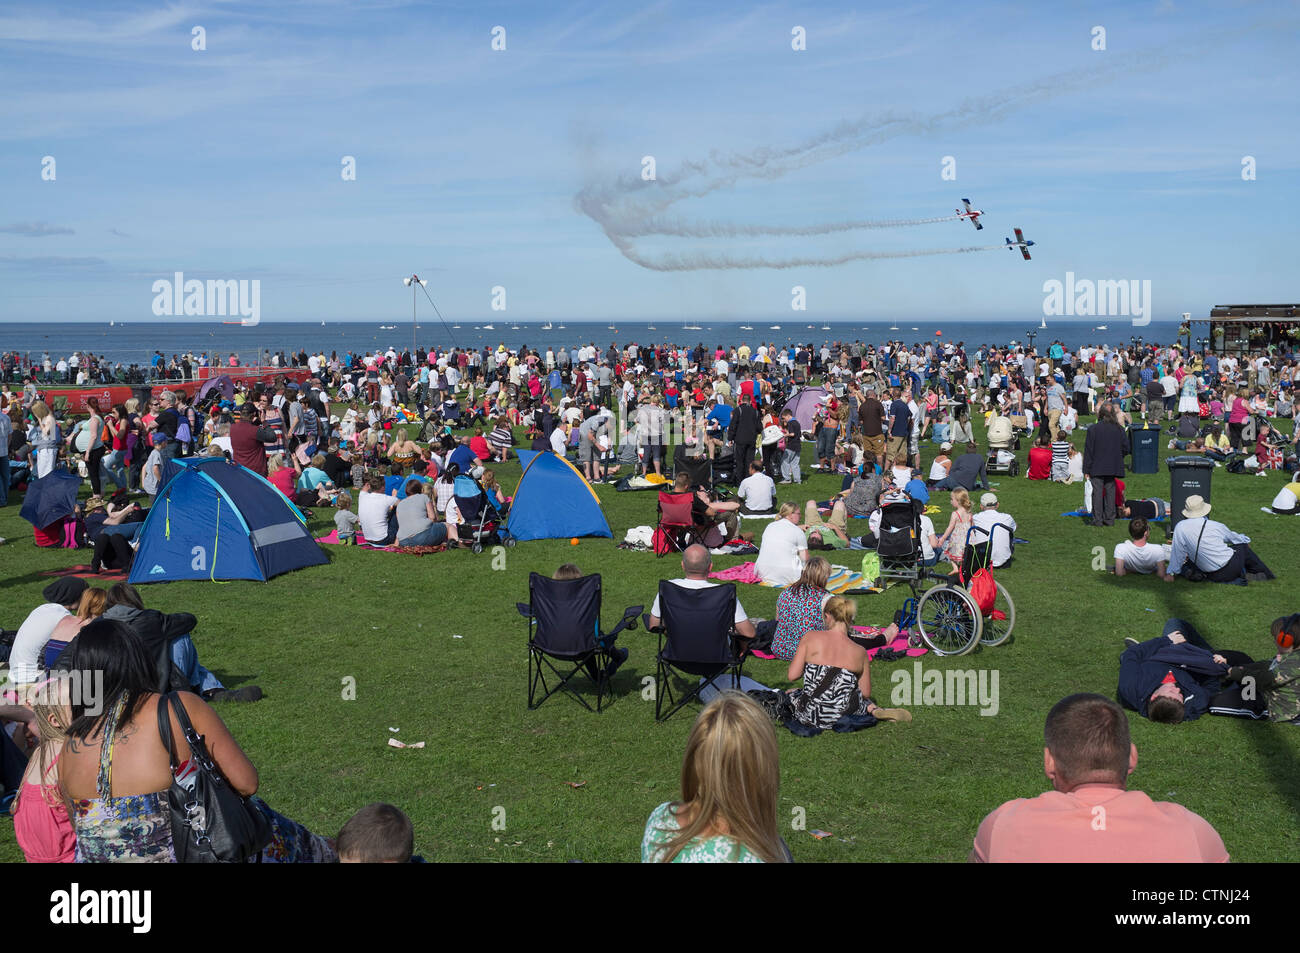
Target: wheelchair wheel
[
  {"x": 949, "y": 621},
  {"x": 996, "y": 631}
]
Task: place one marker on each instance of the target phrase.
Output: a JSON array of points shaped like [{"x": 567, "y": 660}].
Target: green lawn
[{"x": 437, "y": 650}]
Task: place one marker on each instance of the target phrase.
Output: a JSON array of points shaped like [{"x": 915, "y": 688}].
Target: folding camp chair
[
  {"x": 699, "y": 468},
  {"x": 696, "y": 638},
  {"x": 564, "y": 626},
  {"x": 676, "y": 522}
]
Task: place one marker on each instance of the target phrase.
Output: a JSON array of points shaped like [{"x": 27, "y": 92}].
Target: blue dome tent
[
  {"x": 554, "y": 501},
  {"x": 214, "y": 519}
]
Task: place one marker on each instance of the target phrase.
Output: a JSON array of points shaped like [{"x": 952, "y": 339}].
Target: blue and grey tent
[
  {"x": 214, "y": 519},
  {"x": 554, "y": 501}
]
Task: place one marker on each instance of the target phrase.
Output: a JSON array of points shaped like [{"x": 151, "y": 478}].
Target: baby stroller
[
  {"x": 1003, "y": 443},
  {"x": 481, "y": 519},
  {"x": 899, "y": 542}
]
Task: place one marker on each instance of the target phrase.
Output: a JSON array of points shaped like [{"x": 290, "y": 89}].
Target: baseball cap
[
  {"x": 989, "y": 499},
  {"x": 945, "y": 446}
]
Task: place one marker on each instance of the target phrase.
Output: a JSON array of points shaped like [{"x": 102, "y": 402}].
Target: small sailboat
[
  {"x": 322, "y": 324},
  {"x": 561, "y": 327},
  {"x": 547, "y": 326},
  {"x": 1044, "y": 323},
  {"x": 488, "y": 327},
  {"x": 651, "y": 327},
  {"x": 746, "y": 327},
  {"x": 893, "y": 327},
  {"x": 826, "y": 327},
  {"x": 916, "y": 329}
]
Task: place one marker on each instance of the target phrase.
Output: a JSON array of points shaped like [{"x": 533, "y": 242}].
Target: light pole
[{"x": 413, "y": 282}]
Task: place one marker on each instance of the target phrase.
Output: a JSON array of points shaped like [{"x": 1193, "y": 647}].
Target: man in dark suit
[
  {"x": 744, "y": 430},
  {"x": 1104, "y": 449}
]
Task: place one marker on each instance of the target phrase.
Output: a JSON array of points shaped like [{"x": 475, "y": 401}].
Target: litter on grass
[
  {"x": 394, "y": 743},
  {"x": 820, "y": 835}
]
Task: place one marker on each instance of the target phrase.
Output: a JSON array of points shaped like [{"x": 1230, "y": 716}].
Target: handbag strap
[
  {"x": 165, "y": 730},
  {"x": 198, "y": 750}
]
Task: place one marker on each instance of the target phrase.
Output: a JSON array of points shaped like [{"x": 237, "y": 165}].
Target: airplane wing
[
  {"x": 976, "y": 222},
  {"x": 1020, "y": 236},
  {"x": 1024, "y": 251},
  {"x": 966, "y": 202}
]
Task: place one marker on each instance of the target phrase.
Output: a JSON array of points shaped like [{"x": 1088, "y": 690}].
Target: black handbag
[
  {"x": 1190, "y": 571},
  {"x": 212, "y": 823}
]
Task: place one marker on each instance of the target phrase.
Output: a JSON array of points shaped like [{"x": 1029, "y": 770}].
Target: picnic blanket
[
  {"x": 333, "y": 539},
  {"x": 84, "y": 572},
  {"x": 900, "y": 643},
  {"x": 842, "y": 578},
  {"x": 1158, "y": 519}
]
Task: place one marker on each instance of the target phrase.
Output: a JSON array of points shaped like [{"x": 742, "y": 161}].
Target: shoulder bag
[{"x": 212, "y": 823}]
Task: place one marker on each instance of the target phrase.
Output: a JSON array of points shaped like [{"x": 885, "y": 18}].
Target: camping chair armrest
[
  {"x": 648, "y": 627},
  {"x": 627, "y": 622},
  {"x": 525, "y": 609}
]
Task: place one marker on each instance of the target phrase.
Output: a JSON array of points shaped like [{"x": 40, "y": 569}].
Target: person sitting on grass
[
  {"x": 1088, "y": 756},
  {"x": 118, "y": 789},
  {"x": 1138, "y": 555},
  {"x": 941, "y": 464},
  {"x": 377, "y": 834},
  {"x": 417, "y": 518},
  {"x": 799, "y": 608},
  {"x": 377, "y": 512},
  {"x": 345, "y": 521},
  {"x": 1279, "y": 677},
  {"x": 969, "y": 471},
  {"x": 1178, "y": 677},
  {"x": 836, "y": 673},
  {"x": 1040, "y": 457},
  {"x": 757, "y": 492},
  {"x": 731, "y": 778}
]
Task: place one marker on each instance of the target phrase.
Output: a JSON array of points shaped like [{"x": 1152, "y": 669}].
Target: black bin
[
  {"x": 1144, "y": 443},
  {"x": 1188, "y": 476}
]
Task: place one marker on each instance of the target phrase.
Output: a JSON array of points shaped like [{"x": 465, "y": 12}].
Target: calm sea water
[{"x": 135, "y": 342}]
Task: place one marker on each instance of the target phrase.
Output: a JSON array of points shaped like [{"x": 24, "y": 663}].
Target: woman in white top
[{"x": 783, "y": 549}]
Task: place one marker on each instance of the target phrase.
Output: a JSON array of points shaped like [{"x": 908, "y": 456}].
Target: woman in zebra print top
[{"x": 836, "y": 673}]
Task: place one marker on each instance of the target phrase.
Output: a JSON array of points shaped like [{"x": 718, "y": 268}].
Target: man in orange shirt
[{"x": 1090, "y": 816}]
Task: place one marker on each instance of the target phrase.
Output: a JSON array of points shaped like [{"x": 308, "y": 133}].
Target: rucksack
[
  {"x": 983, "y": 590},
  {"x": 661, "y": 544}
]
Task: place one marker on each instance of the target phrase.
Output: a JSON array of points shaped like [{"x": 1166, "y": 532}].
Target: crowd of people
[{"x": 394, "y": 431}]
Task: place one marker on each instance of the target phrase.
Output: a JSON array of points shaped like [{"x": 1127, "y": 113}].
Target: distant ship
[
  {"x": 547, "y": 326},
  {"x": 514, "y": 327},
  {"x": 775, "y": 327},
  {"x": 651, "y": 327},
  {"x": 893, "y": 327},
  {"x": 826, "y": 327},
  {"x": 388, "y": 327},
  {"x": 1044, "y": 323},
  {"x": 746, "y": 327},
  {"x": 1100, "y": 327},
  {"x": 455, "y": 327},
  {"x": 691, "y": 327},
  {"x": 561, "y": 327},
  {"x": 916, "y": 329},
  {"x": 488, "y": 327}
]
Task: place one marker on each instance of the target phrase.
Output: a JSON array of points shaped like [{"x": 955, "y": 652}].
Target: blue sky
[{"x": 1124, "y": 163}]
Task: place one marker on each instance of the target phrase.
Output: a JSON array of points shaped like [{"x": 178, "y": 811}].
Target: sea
[{"x": 135, "y": 342}]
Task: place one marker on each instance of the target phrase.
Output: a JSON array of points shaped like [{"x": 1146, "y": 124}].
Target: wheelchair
[{"x": 941, "y": 607}]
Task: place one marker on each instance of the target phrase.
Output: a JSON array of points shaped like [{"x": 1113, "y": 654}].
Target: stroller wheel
[
  {"x": 510, "y": 542},
  {"x": 477, "y": 548}
]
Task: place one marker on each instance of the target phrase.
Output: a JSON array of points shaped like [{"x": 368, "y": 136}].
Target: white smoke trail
[
  {"x": 706, "y": 261},
  {"x": 684, "y": 229}
]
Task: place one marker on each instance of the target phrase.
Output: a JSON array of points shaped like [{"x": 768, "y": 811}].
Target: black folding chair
[
  {"x": 697, "y": 637},
  {"x": 700, "y": 469},
  {"x": 564, "y": 626}
]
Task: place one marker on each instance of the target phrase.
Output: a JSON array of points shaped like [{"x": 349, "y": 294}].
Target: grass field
[{"x": 437, "y": 650}]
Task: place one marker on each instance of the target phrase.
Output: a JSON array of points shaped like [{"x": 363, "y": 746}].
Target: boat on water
[
  {"x": 651, "y": 327},
  {"x": 1100, "y": 327},
  {"x": 388, "y": 327},
  {"x": 916, "y": 329},
  {"x": 487, "y": 327},
  {"x": 746, "y": 327},
  {"x": 775, "y": 327},
  {"x": 1044, "y": 323},
  {"x": 826, "y": 327},
  {"x": 893, "y": 327},
  {"x": 547, "y": 326}
]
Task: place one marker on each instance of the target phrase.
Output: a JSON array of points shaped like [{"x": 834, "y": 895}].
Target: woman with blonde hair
[
  {"x": 836, "y": 673},
  {"x": 731, "y": 777},
  {"x": 404, "y": 451},
  {"x": 40, "y": 811},
  {"x": 93, "y": 603},
  {"x": 959, "y": 524},
  {"x": 799, "y": 608}
]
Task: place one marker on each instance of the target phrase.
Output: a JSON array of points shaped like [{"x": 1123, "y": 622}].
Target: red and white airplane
[
  {"x": 971, "y": 213},
  {"x": 1021, "y": 242}
]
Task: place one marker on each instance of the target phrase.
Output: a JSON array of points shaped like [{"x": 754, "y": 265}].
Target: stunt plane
[
  {"x": 1020, "y": 243},
  {"x": 971, "y": 213}
]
